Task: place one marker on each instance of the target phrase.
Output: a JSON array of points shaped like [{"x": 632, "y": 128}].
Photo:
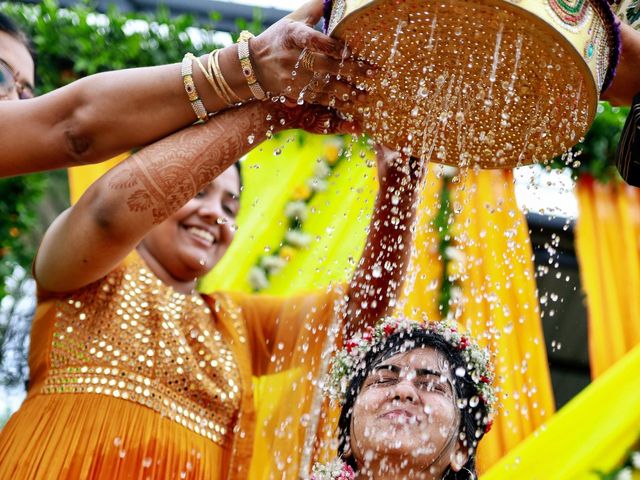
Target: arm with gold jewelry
[
  {"x": 103, "y": 115},
  {"x": 88, "y": 240},
  {"x": 379, "y": 276}
]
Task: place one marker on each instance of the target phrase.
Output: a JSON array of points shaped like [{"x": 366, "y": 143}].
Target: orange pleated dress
[{"x": 133, "y": 380}]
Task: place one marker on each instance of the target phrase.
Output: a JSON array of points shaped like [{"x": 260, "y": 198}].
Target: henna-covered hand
[
  {"x": 277, "y": 55},
  {"x": 312, "y": 118}
]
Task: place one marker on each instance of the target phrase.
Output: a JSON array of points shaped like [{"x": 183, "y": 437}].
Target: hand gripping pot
[{"x": 486, "y": 83}]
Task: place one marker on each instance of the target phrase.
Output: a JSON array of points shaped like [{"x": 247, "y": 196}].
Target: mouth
[
  {"x": 401, "y": 416},
  {"x": 201, "y": 236}
]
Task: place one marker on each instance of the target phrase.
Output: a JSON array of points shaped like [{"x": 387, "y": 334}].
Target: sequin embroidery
[{"x": 130, "y": 336}]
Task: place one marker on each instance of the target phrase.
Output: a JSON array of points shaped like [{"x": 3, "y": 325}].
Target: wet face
[
  {"x": 15, "y": 63},
  {"x": 405, "y": 416},
  {"x": 192, "y": 240}
]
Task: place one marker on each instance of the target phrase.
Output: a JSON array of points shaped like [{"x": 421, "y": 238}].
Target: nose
[
  {"x": 211, "y": 211},
  {"x": 405, "y": 391}
]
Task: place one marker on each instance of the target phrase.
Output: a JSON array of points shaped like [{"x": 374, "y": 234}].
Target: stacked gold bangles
[{"x": 215, "y": 77}]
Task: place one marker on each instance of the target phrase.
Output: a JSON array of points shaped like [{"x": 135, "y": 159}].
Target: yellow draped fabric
[
  {"x": 499, "y": 304},
  {"x": 497, "y": 300},
  {"x": 495, "y": 277},
  {"x": 587, "y": 434},
  {"x": 608, "y": 249}
]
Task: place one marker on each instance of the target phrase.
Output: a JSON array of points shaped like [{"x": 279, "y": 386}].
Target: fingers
[
  {"x": 349, "y": 68},
  {"x": 303, "y": 36},
  {"x": 309, "y": 13},
  {"x": 330, "y": 85}
]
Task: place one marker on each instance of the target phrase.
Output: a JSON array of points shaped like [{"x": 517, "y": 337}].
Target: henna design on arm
[{"x": 162, "y": 177}]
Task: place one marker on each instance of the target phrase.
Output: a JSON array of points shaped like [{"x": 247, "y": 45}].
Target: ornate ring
[{"x": 307, "y": 59}]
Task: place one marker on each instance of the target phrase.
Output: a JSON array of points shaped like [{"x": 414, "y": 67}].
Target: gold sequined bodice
[{"x": 132, "y": 337}]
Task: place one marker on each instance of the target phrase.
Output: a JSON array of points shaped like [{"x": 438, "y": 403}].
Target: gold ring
[{"x": 307, "y": 59}]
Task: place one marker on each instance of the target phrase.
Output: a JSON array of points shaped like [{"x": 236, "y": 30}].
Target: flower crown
[
  {"x": 350, "y": 359},
  {"x": 335, "y": 470}
]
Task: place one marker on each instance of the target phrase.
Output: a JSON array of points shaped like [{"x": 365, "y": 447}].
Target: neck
[{"x": 159, "y": 271}]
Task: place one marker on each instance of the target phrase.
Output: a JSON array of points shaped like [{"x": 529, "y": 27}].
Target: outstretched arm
[
  {"x": 117, "y": 211},
  {"x": 380, "y": 273},
  {"x": 101, "y": 116}
]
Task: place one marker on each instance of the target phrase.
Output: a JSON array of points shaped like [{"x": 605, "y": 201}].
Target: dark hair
[
  {"x": 239, "y": 169},
  {"x": 473, "y": 418},
  {"x": 7, "y": 25}
]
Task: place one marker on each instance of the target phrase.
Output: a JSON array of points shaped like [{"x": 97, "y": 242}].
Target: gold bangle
[
  {"x": 190, "y": 88},
  {"x": 217, "y": 71},
  {"x": 209, "y": 78},
  {"x": 247, "y": 67},
  {"x": 214, "y": 83}
]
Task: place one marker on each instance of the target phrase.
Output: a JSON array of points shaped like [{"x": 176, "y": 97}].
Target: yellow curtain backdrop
[
  {"x": 494, "y": 272},
  {"x": 494, "y": 275},
  {"x": 500, "y": 306},
  {"x": 586, "y": 435},
  {"x": 608, "y": 249}
]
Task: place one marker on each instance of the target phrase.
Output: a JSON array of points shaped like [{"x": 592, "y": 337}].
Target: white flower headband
[
  {"x": 335, "y": 470},
  {"x": 350, "y": 359}
]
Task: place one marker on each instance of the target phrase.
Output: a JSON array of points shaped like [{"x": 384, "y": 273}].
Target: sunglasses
[{"x": 9, "y": 83}]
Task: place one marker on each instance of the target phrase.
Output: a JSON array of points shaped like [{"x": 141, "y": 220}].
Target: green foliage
[
  {"x": 75, "y": 42},
  {"x": 595, "y": 155},
  {"x": 442, "y": 223},
  {"x": 17, "y": 217}
]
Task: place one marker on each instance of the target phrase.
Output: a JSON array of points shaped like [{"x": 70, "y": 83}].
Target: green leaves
[
  {"x": 595, "y": 155},
  {"x": 17, "y": 217},
  {"x": 79, "y": 41}
]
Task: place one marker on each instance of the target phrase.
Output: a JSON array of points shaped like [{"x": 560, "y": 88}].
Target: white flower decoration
[
  {"x": 297, "y": 238},
  {"x": 258, "y": 278},
  {"x": 272, "y": 263},
  {"x": 296, "y": 209}
]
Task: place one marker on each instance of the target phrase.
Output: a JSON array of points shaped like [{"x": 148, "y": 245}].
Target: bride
[{"x": 416, "y": 400}]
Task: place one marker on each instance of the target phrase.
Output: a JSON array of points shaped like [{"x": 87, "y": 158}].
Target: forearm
[
  {"x": 378, "y": 278},
  {"x": 119, "y": 209},
  {"x": 156, "y": 181},
  {"x": 103, "y": 115}
]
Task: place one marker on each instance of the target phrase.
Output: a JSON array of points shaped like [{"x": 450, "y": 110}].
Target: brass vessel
[{"x": 488, "y": 83}]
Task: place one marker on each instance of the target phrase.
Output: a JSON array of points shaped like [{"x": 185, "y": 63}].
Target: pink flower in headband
[{"x": 335, "y": 470}]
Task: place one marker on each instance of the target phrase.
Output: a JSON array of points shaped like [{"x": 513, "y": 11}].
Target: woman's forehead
[{"x": 423, "y": 358}]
